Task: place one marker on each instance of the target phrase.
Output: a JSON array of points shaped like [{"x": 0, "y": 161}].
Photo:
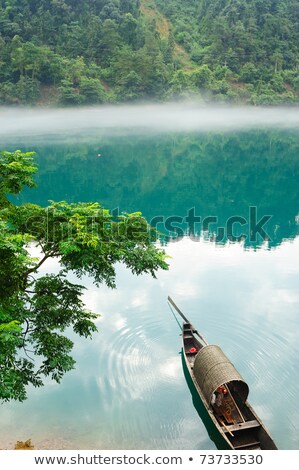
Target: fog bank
[{"x": 177, "y": 117}]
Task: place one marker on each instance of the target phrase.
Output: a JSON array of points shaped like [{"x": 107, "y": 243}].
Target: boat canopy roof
[{"x": 212, "y": 369}]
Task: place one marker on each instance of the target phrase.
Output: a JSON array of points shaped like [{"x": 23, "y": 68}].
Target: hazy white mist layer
[{"x": 178, "y": 117}]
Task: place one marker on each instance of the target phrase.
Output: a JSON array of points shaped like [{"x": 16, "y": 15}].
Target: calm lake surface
[{"x": 129, "y": 390}]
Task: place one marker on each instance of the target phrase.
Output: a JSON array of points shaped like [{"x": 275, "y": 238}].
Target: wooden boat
[{"x": 222, "y": 391}]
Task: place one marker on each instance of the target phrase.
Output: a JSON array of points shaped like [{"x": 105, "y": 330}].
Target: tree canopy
[
  {"x": 36, "y": 310},
  {"x": 70, "y": 53}
]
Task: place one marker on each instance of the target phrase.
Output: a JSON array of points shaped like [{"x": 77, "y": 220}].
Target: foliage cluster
[
  {"x": 86, "y": 52},
  {"x": 98, "y": 51},
  {"x": 250, "y": 47},
  {"x": 36, "y": 309}
]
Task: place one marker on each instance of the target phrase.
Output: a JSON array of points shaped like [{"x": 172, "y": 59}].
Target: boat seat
[
  {"x": 247, "y": 425},
  {"x": 250, "y": 445}
]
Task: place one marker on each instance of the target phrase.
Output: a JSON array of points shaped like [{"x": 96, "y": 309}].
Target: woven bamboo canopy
[{"x": 212, "y": 369}]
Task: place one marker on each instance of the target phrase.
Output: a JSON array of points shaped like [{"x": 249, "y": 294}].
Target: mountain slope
[
  {"x": 164, "y": 28},
  {"x": 257, "y": 40},
  {"x": 72, "y": 52}
]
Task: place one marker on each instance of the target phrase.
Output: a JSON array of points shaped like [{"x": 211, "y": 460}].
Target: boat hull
[
  {"x": 224, "y": 439},
  {"x": 212, "y": 429},
  {"x": 229, "y": 440}
]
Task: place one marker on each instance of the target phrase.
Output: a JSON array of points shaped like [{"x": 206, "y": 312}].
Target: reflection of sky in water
[{"x": 128, "y": 389}]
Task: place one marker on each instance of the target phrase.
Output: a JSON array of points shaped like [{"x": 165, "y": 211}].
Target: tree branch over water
[{"x": 36, "y": 311}]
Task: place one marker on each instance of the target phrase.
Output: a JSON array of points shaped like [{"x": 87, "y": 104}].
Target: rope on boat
[
  {"x": 180, "y": 326},
  {"x": 171, "y": 302}
]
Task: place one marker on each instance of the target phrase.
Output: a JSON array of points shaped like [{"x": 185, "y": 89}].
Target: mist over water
[{"x": 175, "y": 117}]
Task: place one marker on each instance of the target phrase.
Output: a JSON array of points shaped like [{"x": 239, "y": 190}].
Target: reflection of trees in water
[{"x": 221, "y": 175}]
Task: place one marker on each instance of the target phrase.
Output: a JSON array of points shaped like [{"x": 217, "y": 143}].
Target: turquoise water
[{"x": 128, "y": 390}]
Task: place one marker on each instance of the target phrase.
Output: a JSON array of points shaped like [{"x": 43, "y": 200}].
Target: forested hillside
[
  {"x": 252, "y": 43},
  {"x": 72, "y": 52}
]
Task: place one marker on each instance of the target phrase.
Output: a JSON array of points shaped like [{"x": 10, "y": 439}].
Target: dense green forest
[{"x": 72, "y": 52}]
